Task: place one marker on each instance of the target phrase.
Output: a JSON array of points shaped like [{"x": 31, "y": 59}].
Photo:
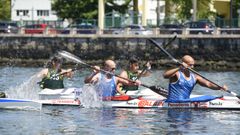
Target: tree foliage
[
  {"x": 5, "y": 9},
  {"x": 184, "y": 7},
  {"x": 85, "y": 9},
  {"x": 75, "y": 9}
]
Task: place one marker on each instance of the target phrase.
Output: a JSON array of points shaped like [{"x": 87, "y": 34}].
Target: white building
[
  {"x": 152, "y": 7},
  {"x": 32, "y": 10},
  {"x": 150, "y": 11}
]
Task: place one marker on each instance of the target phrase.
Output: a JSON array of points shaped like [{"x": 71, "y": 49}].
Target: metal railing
[{"x": 122, "y": 32}]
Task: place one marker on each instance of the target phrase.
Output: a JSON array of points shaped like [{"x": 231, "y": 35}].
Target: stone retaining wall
[{"x": 210, "y": 53}]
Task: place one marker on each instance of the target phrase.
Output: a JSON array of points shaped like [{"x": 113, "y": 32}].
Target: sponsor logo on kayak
[
  {"x": 179, "y": 104},
  {"x": 144, "y": 103},
  {"x": 203, "y": 104},
  {"x": 132, "y": 103},
  {"x": 60, "y": 101},
  {"x": 216, "y": 103},
  {"x": 199, "y": 104}
]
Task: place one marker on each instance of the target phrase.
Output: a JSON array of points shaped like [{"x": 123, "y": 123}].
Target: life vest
[
  {"x": 52, "y": 80},
  {"x": 182, "y": 88},
  {"x": 131, "y": 76},
  {"x": 106, "y": 88}
]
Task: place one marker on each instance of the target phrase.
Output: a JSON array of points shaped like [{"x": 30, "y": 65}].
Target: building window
[
  {"x": 42, "y": 12},
  {"x": 22, "y": 12}
]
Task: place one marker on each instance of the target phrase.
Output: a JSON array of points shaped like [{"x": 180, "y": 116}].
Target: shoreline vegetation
[{"x": 156, "y": 64}]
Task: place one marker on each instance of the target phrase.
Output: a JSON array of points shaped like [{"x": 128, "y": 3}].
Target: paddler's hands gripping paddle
[
  {"x": 190, "y": 69},
  {"x": 76, "y": 59}
]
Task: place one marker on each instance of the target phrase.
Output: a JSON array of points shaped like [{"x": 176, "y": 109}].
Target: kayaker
[
  {"x": 182, "y": 81},
  {"x": 134, "y": 73},
  {"x": 106, "y": 83},
  {"x": 53, "y": 75}
]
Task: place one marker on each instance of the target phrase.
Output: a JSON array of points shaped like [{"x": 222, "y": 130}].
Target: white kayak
[{"x": 70, "y": 96}]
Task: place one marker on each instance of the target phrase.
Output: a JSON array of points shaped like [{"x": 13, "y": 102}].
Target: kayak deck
[{"x": 221, "y": 103}]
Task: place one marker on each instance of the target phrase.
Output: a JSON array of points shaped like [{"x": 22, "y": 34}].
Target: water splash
[
  {"x": 26, "y": 90},
  {"x": 89, "y": 97}
]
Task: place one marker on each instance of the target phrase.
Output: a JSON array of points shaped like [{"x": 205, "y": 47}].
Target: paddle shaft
[
  {"x": 78, "y": 60},
  {"x": 63, "y": 73},
  {"x": 161, "y": 88},
  {"x": 110, "y": 73},
  {"x": 190, "y": 69},
  {"x": 145, "y": 68}
]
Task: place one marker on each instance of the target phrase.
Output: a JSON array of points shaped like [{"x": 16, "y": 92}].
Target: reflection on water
[{"x": 179, "y": 119}]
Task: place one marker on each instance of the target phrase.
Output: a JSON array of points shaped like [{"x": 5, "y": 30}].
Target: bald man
[
  {"x": 107, "y": 82},
  {"x": 182, "y": 81}
]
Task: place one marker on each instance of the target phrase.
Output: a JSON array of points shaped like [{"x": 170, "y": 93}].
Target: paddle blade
[
  {"x": 159, "y": 90},
  {"x": 70, "y": 56},
  {"x": 238, "y": 96}
]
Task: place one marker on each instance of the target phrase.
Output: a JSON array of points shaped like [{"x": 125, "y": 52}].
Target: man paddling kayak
[
  {"x": 133, "y": 73},
  {"x": 52, "y": 77},
  {"x": 106, "y": 82},
  {"x": 182, "y": 81}
]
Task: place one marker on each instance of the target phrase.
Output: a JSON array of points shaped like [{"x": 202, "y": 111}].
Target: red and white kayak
[
  {"x": 225, "y": 102},
  {"x": 144, "y": 98}
]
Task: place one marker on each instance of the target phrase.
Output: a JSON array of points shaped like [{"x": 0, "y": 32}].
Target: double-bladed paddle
[
  {"x": 190, "y": 69},
  {"x": 67, "y": 55}
]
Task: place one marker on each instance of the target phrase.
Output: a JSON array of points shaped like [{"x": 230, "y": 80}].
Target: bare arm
[
  {"x": 208, "y": 84},
  {"x": 42, "y": 73},
  {"x": 146, "y": 71},
  {"x": 119, "y": 89},
  {"x": 142, "y": 73},
  {"x": 123, "y": 74},
  {"x": 170, "y": 73},
  {"x": 92, "y": 78},
  {"x": 67, "y": 72},
  {"x": 120, "y": 84},
  {"x": 126, "y": 82}
]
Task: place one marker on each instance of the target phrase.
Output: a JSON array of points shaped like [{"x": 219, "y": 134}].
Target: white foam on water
[
  {"x": 27, "y": 90},
  {"x": 89, "y": 97}
]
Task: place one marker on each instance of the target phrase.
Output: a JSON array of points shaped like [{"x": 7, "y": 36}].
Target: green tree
[
  {"x": 75, "y": 9},
  {"x": 204, "y": 9},
  {"x": 5, "y": 9},
  {"x": 183, "y": 7}
]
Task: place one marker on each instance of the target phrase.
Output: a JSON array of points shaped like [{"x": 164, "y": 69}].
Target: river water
[{"x": 21, "y": 83}]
